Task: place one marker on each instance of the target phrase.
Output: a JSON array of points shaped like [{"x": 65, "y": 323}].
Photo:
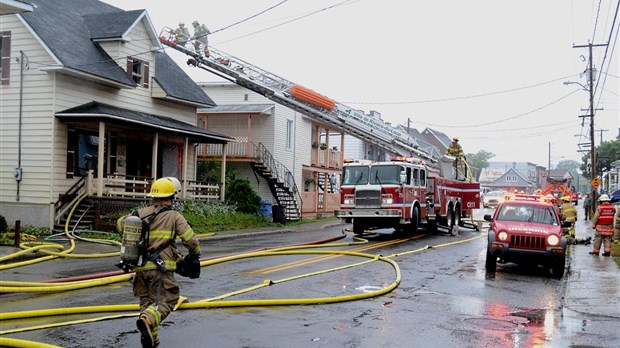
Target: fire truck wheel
[
  {"x": 491, "y": 262},
  {"x": 457, "y": 216},
  {"x": 415, "y": 220},
  {"x": 450, "y": 217},
  {"x": 358, "y": 228}
]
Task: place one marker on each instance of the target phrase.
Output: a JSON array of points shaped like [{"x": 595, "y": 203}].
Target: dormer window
[{"x": 138, "y": 71}]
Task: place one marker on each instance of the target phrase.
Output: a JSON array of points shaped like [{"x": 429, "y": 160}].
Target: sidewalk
[{"x": 592, "y": 282}]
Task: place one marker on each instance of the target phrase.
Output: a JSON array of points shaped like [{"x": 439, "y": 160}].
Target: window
[
  {"x": 82, "y": 152},
  {"x": 5, "y": 55},
  {"x": 289, "y": 134},
  {"x": 138, "y": 71}
]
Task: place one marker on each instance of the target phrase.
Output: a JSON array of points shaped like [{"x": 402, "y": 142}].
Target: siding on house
[
  {"x": 270, "y": 130},
  {"x": 44, "y": 137}
]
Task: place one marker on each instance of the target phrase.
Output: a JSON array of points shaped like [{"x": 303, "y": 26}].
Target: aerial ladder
[{"x": 299, "y": 98}]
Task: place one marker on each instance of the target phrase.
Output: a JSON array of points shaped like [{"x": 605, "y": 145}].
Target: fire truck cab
[{"x": 403, "y": 193}]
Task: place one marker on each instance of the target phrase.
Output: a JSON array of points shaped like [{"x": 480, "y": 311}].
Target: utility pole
[{"x": 592, "y": 147}]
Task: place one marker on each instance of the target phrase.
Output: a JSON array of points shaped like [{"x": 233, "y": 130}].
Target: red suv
[{"x": 527, "y": 229}]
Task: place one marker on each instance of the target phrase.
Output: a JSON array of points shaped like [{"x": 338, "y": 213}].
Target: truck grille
[
  {"x": 527, "y": 242},
  {"x": 367, "y": 198}
]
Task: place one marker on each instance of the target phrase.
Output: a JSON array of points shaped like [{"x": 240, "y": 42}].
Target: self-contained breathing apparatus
[{"x": 134, "y": 243}]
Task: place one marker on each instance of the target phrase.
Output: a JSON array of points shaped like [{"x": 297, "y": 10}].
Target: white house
[{"x": 92, "y": 93}]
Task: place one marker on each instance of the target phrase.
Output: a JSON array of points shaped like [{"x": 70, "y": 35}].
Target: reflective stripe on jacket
[
  {"x": 569, "y": 211},
  {"x": 603, "y": 220},
  {"x": 164, "y": 229}
]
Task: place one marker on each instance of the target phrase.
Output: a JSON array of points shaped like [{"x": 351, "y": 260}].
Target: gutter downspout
[{"x": 18, "y": 170}]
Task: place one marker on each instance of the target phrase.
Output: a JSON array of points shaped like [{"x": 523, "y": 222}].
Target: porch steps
[{"x": 83, "y": 218}]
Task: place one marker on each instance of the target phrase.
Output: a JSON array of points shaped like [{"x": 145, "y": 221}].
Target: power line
[
  {"x": 289, "y": 21},
  {"x": 463, "y": 97},
  {"x": 505, "y": 119}
]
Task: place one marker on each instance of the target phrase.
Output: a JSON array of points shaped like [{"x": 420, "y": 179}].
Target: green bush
[
  {"x": 241, "y": 194},
  {"x": 3, "y": 225}
]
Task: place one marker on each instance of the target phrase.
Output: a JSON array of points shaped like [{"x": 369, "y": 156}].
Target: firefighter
[
  {"x": 200, "y": 37},
  {"x": 603, "y": 223},
  {"x": 182, "y": 34},
  {"x": 455, "y": 150},
  {"x": 154, "y": 283},
  {"x": 569, "y": 213},
  {"x": 616, "y": 236}
]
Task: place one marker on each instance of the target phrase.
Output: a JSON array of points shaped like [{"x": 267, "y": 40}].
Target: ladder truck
[{"x": 440, "y": 193}]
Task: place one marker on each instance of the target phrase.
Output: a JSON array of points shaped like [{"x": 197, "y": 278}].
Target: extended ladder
[{"x": 299, "y": 98}]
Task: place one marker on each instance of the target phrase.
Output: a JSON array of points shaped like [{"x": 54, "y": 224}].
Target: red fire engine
[{"x": 405, "y": 193}]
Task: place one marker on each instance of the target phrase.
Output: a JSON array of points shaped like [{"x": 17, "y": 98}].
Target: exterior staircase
[
  {"x": 83, "y": 218},
  {"x": 281, "y": 183}
]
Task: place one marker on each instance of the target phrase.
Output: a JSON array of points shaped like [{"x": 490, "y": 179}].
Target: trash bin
[
  {"x": 265, "y": 209},
  {"x": 278, "y": 214}
]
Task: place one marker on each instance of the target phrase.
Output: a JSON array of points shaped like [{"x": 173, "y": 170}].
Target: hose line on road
[{"x": 219, "y": 302}]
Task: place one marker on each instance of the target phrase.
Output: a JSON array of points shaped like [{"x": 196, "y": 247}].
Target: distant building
[{"x": 512, "y": 180}]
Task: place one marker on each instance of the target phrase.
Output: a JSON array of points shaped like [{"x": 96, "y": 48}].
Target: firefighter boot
[{"x": 146, "y": 336}]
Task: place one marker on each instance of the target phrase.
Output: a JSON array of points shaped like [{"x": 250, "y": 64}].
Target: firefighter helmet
[
  {"x": 604, "y": 198},
  {"x": 162, "y": 188},
  {"x": 181, "y": 24},
  {"x": 566, "y": 198},
  {"x": 177, "y": 184},
  {"x": 455, "y": 138}
]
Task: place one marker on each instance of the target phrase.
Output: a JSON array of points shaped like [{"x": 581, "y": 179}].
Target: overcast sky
[{"x": 488, "y": 71}]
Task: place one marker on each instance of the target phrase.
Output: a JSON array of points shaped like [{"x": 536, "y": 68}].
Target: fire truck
[
  {"x": 402, "y": 193},
  {"x": 407, "y": 192}
]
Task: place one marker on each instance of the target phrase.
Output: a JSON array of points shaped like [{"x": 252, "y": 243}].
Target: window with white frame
[
  {"x": 138, "y": 71},
  {"x": 289, "y": 134}
]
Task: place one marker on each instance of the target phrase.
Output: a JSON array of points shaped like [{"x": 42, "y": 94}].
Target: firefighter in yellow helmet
[
  {"x": 569, "y": 213},
  {"x": 455, "y": 149},
  {"x": 182, "y": 34},
  {"x": 154, "y": 283}
]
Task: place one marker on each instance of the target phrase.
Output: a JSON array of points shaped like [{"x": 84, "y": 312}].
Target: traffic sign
[{"x": 595, "y": 182}]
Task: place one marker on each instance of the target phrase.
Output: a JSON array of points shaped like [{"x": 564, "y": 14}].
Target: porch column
[
  {"x": 100, "y": 154},
  {"x": 184, "y": 169},
  {"x": 154, "y": 156},
  {"x": 223, "y": 174},
  {"x": 248, "y": 144}
]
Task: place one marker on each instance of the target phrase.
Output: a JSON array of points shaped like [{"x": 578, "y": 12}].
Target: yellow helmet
[
  {"x": 455, "y": 138},
  {"x": 566, "y": 198},
  {"x": 162, "y": 188},
  {"x": 181, "y": 24},
  {"x": 176, "y": 182}
]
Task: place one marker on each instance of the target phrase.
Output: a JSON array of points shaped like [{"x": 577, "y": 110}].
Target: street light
[{"x": 585, "y": 88}]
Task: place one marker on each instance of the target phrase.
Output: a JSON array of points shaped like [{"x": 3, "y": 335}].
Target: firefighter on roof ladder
[
  {"x": 201, "y": 38},
  {"x": 182, "y": 34}
]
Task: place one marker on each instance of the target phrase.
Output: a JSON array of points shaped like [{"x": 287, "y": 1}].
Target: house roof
[
  {"x": 71, "y": 30},
  {"x": 238, "y": 108},
  {"x": 14, "y": 6},
  {"x": 503, "y": 181},
  {"x": 421, "y": 142},
  {"x": 95, "y": 112}
]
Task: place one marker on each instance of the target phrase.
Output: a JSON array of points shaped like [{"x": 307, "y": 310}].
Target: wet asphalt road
[{"x": 445, "y": 298}]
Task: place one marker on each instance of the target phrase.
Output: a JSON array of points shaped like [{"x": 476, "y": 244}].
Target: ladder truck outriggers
[
  {"x": 405, "y": 193},
  {"x": 415, "y": 188}
]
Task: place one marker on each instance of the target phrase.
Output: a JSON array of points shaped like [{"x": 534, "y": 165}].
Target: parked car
[
  {"x": 493, "y": 199},
  {"x": 615, "y": 196},
  {"x": 527, "y": 229}
]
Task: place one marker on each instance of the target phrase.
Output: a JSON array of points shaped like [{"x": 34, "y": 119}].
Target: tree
[
  {"x": 480, "y": 159},
  {"x": 606, "y": 153},
  {"x": 568, "y": 165}
]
